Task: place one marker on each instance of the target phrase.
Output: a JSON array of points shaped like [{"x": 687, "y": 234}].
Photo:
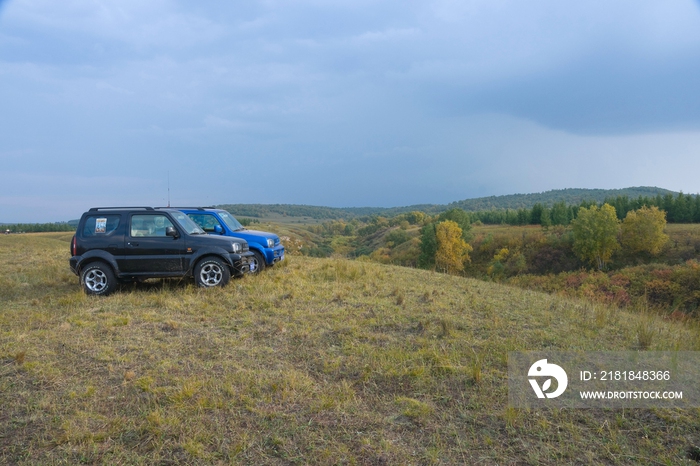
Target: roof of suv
[
  {"x": 190, "y": 208},
  {"x": 97, "y": 209}
]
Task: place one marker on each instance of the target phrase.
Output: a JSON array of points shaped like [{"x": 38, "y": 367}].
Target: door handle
[{"x": 133, "y": 244}]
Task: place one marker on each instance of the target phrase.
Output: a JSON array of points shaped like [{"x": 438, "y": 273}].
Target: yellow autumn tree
[
  {"x": 595, "y": 234},
  {"x": 643, "y": 230},
  {"x": 452, "y": 251}
]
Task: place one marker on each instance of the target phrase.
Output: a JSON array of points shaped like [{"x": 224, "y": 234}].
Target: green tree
[
  {"x": 643, "y": 230},
  {"x": 396, "y": 237},
  {"x": 452, "y": 250},
  {"x": 461, "y": 218},
  {"x": 669, "y": 205},
  {"x": 684, "y": 208},
  {"x": 545, "y": 218},
  {"x": 428, "y": 246},
  {"x": 595, "y": 234},
  {"x": 536, "y": 214},
  {"x": 416, "y": 217},
  {"x": 523, "y": 216},
  {"x": 560, "y": 214},
  {"x": 506, "y": 262}
]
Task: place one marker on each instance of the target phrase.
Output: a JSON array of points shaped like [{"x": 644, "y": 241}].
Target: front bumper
[
  {"x": 241, "y": 262},
  {"x": 274, "y": 255}
]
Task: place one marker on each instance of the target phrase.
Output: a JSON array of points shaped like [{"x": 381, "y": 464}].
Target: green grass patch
[{"x": 315, "y": 361}]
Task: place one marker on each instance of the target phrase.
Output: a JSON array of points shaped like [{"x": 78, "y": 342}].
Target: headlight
[
  {"x": 236, "y": 247},
  {"x": 270, "y": 243}
]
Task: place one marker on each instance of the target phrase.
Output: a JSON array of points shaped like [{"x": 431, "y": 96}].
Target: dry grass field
[{"x": 316, "y": 361}]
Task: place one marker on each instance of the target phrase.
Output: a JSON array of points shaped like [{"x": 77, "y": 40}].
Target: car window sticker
[{"x": 100, "y": 225}]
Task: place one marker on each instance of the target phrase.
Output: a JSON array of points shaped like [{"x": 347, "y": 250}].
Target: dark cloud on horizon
[{"x": 614, "y": 96}]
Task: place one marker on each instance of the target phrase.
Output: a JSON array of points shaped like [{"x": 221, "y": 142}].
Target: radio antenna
[{"x": 168, "y": 188}]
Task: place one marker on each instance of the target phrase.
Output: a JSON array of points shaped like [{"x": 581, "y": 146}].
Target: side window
[
  {"x": 206, "y": 222},
  {"x": 149, "y": 225},
  {"x": 101, "y": 225}
]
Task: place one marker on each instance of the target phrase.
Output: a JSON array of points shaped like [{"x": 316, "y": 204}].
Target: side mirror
[
  {"x": 218, "y": 230},
  {"x": 171, "y": 231}
]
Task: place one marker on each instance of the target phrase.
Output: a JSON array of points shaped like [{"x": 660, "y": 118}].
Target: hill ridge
[{"x": 506, "y": 201}]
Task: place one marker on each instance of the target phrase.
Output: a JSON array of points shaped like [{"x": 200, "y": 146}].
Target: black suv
[{"x": 125, "y": 244}]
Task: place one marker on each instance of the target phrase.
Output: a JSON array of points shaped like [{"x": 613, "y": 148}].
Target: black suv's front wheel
[
  {"x": 210, "y": 272},
  {"x": 97, "y": 278}
]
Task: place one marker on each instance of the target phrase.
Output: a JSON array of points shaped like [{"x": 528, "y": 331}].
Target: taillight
[{"x": 72, "y": 247}]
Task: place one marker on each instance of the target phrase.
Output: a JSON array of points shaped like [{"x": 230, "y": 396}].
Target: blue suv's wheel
[
  {"x": 258, "y": 261},
  {"x": 210, "y": 272}
]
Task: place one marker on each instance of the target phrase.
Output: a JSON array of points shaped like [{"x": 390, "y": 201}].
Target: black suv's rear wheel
[
  {"x": 210, "y": 272},
  {"x": 97, "y": 278}
]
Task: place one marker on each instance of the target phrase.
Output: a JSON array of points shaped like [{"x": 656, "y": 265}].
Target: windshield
[
  {"x": 185, "y": 222},
  {"x": 230, "y": 221}
]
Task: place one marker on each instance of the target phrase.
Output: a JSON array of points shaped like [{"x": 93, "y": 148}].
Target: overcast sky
[{"x": 341, "y": 103}]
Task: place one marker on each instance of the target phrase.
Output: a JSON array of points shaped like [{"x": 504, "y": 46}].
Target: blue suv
[{"x": 265, "y": 246}]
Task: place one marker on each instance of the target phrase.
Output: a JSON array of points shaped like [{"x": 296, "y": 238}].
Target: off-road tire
[
  {"x": 259, "y": 262},
  {"x": 97, "y": 278},
  {"x": 210, "y": 272}
]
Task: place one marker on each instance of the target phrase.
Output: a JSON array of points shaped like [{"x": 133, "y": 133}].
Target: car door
[{"x": 148, "y": 250}]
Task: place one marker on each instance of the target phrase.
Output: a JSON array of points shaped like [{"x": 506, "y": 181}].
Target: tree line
[
  {"x": 571, "y": 196},
  {"x": 597, "y": 234},
  {"x": 379, "y": 238},
  {"x": 683, "y": 208},
  {"x": 37, "y": 227}
]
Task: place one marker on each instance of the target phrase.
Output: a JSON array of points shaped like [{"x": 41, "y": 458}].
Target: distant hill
[
  {"x": 510, "y": 201},
  {"x": 547, "y": 198},
  {"x": 321, "y": 213}
]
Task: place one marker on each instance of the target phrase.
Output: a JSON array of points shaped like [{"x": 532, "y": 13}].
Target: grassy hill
[
  {"x": 293, "y": 213},
  {"x": 316, "y": 361},
  {"x": 285, "y": 213}
]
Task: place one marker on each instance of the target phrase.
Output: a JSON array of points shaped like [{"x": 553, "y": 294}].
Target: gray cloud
[{"x": 342, "y": 103}]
